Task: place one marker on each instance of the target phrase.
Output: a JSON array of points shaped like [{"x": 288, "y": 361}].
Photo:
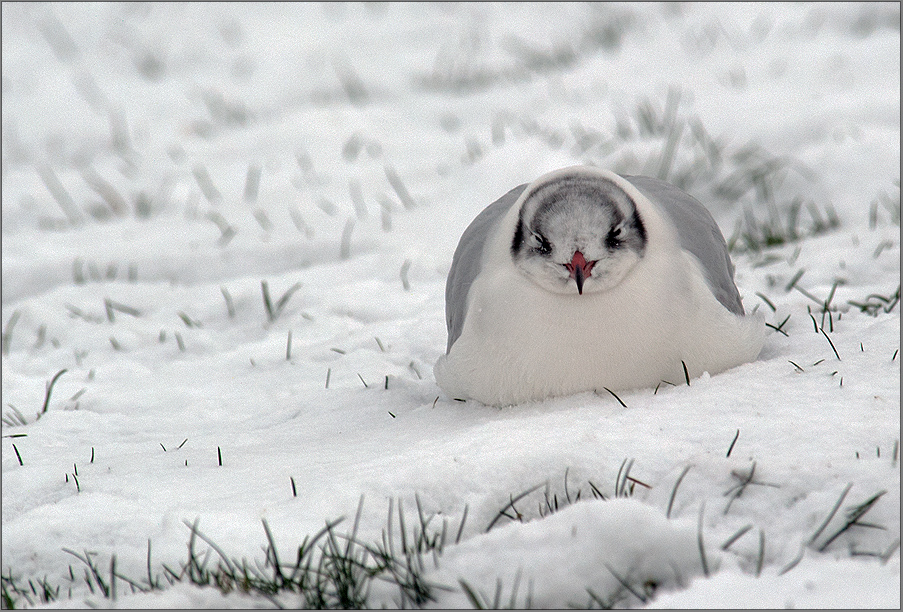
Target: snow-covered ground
[{"x": 162, "y": 164}]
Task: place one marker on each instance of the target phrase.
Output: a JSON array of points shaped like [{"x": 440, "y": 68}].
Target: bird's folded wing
[
  {"x": 698, "y": 233},
  {"x": 468, "y": 260}
]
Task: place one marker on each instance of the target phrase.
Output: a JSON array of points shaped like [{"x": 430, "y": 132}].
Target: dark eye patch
[
  {"x": 615, "y": 237},
  {"x": 544, "y": 247}
]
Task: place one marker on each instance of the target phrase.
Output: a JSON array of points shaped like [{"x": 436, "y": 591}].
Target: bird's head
[{"x": 577, "y": 232}]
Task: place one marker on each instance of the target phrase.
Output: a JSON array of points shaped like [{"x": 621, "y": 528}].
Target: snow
[{"x": 461, "y": 102}]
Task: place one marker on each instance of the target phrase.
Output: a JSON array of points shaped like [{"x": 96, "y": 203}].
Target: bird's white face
[{"x": 577, "y": 234}]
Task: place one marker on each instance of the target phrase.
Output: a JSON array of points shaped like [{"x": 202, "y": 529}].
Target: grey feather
[{"x": 696, "y": 229}]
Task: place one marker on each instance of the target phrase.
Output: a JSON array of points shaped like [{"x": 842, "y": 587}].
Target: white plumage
[{"x": 584, "y": 280}]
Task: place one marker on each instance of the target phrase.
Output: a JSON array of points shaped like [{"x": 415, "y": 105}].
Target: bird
[{"x": 587, "y": 280}]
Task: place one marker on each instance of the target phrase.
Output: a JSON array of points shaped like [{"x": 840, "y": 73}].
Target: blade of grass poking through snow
[
  {"x": 230, "y": 305},
  {"x": 674, "y": 490},
  {"x": 8, "y": 331},
  {"x": 192, "y": 561},
  {"x": 111, "y": 306},
  {"x": 621, "y": 478},
  {"x": 59, "y": 193},
  {"x": 830, "y": 514},
  {"x": 472, "y": 596},
  {"x": 404, "y": 274},
  {"x": 273, "y": 311},
  {"x": 385, "y": 205},
  {"x": 272, "y": 556},
  {"x": 94, "y": 572},
  {"x": 624, "y": 583},
  {"x": 399, "y": 187},
  {"x": 461, "y": 526},
  {"x": 49, "y": 390},
  {"x": 739, "y": 534},
  {"x": 767, "y": 301},
  {"x": 734, "y": 441},
  {"x": 188, "y": 321},
  {"x": 780, "y": 326},
  {"x": 106, "y": 191},
  {"x": 700, "y": 542},
  {"x": 345, "y": 244},
  {"x": 227, "y": 232},
  {"x": 889, "y": 552},
  {"x": 252, "y": 183},
  {"x": 761, "y": 557},
  {"x": 795, "y": 279},
  {"x": 614, "y": 395},
  {"x": 853, "y": 516},
  {"x": 206, "y": 184},
  {"x": 831, "y": 343},
  {"x": 510, "y": 504},
  {"x": 357, "y": 198}
]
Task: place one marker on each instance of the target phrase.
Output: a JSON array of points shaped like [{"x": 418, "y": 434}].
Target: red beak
[{"x": 580, "y": 269}]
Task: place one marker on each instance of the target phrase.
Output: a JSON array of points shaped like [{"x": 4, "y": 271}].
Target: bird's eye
[
  {"x": 543, "y": 246},
  {"x": 615, "y": 237}
]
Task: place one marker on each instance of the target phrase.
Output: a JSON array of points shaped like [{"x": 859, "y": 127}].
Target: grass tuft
[{"x": 852, "y": 519}]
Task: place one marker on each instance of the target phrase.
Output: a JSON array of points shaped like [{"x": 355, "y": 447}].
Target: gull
[{"x": 585, "y": 280}]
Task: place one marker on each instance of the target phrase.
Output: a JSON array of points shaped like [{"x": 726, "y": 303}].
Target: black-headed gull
[{"x": 585, "y": 280}]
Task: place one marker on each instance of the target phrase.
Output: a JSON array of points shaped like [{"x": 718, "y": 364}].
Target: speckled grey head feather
[
  {"x": 696, "y": 229},
  {"x": 564, "y": 193}
]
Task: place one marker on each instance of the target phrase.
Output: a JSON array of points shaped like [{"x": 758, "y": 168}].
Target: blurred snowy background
[{"x": 225, "y": 234}]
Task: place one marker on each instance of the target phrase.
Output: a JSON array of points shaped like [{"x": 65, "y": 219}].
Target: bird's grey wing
[
  {"x": 468, "y": 261},
  {"x": 698, "y": 234}
]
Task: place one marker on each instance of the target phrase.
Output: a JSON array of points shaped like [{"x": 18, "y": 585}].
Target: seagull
[{"x": 585, "y": 280}]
